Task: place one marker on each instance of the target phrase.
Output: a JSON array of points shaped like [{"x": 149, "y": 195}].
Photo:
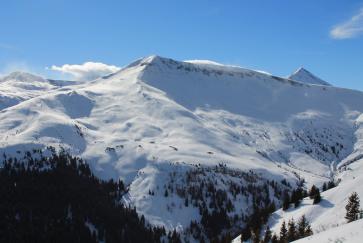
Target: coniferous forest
[{"x": 57, "y": 199}]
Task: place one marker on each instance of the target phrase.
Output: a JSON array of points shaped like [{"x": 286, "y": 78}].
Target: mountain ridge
[{"x": 158, "y": 116}]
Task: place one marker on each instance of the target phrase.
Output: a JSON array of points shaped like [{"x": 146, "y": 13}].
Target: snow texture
[{"x": 140, "y": 121}]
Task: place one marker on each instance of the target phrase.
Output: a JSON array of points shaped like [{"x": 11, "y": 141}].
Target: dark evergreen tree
[
  {"x": 283, "y": 233},
  {"x": 274, "y": 239},
  {"x": 268, "y": 235},
  {"x": 242, "y": 238},
  {"x": 317, "y": 197},
  {"x": 291, "y": 231},
  {"x": 303, "y": 228},
  {"x": 313, "y": 191},
  {"x": 297, "y": 196},
  {"x": 314, "y": 194},
  {"x": 286, "y": 201},
  {"x": 255, "y": 236},
  {"x": 186, "y": 202},
  {"x": 174, "y": 237},
  {"x": 331, "y": 184},
  {"x": 308, "y": 230},
  {"x": 352, "y": 208},
  {"x": 325, "y": 187}
]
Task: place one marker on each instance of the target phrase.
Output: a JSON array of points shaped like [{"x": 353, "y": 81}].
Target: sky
[{"x": 79, "y": 39}]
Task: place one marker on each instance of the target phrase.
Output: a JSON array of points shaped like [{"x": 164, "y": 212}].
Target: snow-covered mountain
[
  {"x": 303, "y": 75},
  {"x": 20, "y": 86},
  {"x": 165, "y": 126}
]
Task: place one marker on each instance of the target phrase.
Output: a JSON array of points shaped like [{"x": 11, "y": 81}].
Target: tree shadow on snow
[{"x": 326, "y": 204}]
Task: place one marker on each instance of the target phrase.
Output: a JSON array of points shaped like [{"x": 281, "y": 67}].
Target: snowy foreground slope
[
  {"x": 349, "y": 233},
  {"x": 158, "y": 121},
  {"x": 330, "y": 212},
  {"x": 329, "y": 215}
]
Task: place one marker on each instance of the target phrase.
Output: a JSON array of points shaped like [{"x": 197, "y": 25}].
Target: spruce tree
[
  {"x": 296, "y": 196},
  {"x": 274, "y": 238},
  {"x": 325, "y": 187},
  {"x": 283, "y": 233},
  {"x": 291, "y": 232},
  {"x": 255, "y": 236},
  {"x": 317, "y": 197},
  {"x": 352, "y": 207},
  {"x": 308, "y": 230},
  {"x": 286, "y": 201},
  {"x": 267, "y": 237},
  {"x": 303, "y": 228},
  {"x": 186, "y": 202},
  {"x": 331, "y": 184},
  {"x": 301, "y": 225},
  {"x": 313, "y": 191}
]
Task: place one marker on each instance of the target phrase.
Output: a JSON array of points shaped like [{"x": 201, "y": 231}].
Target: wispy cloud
[
  {"x": 86, "y": 71},
  {"x": 349, "y": 29}
]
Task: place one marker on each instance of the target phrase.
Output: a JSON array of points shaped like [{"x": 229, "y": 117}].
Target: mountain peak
[
  {"x": 301, "y": 69},
  {"x": 22, "y": 77},
  {"x": 304, "y": 76}
]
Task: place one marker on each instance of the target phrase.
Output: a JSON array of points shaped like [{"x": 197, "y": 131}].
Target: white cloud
[
  {"x": 87, "y": 70},
  {"x": 349, "y": 29}
]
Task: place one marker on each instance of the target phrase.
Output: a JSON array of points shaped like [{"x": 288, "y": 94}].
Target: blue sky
[{"x": 326, "y": 37}]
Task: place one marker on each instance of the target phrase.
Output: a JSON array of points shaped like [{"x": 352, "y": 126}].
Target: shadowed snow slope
[{"x": 156, "y": 112}]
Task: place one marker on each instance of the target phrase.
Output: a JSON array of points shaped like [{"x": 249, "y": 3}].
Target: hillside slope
[
  {"x": 352, "y": 233},
  {"x": 159, "y": 117},
  {"x": 330, "y": 212}
]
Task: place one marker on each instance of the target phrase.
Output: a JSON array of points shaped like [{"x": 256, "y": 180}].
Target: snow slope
[
  {"x": 303, "y": 75},
  {"x": 330, "y": 212},
  {"x": 138, "y": 123},
  {"x": 19, "y": 86},
  {"x": 352, "y": 233},
  {"x": 328, "y": 215}
]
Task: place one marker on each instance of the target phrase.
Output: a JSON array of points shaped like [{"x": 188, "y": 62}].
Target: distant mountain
[
  {"x": 20, "y": 86},
  {"x": 303, "y": 75},
  {"x": 22, "y": 77},
  {"x": 196, "y": 142}
]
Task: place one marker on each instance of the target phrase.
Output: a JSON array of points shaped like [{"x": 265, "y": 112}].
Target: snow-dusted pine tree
[{"x": 352, "y": 207}]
